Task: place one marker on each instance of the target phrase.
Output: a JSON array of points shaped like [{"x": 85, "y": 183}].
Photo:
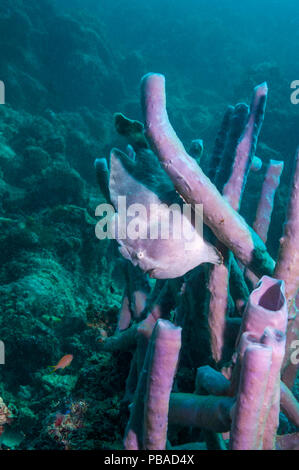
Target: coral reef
[
  {"x": 67, "y": 67},
  {"x": 5, "y": 415},
  {"x": 65, "y": 424},
  {"x": 55, "y": 279},
  {"x": 245, "y": 314}
]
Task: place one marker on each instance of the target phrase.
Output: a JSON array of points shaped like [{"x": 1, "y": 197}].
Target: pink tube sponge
[
  {"x": 265, "y": 207},
  {"x": 164, "y": 354},
  {"x": 255, "y": 371},
  {"x": 246, "y": 147},
  {"x": 287, "y": 267},
  {"x": 266, "y": 307},
  {"x": 193, "y": 185}
]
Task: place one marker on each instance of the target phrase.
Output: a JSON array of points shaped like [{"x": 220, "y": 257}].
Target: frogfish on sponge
[{"x": 143, "y": 183}]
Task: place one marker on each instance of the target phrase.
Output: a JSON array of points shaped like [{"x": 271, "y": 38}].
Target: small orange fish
[{"x": 63, "y": 363}]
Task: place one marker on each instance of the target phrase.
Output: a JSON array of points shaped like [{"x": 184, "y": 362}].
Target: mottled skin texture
[{"x": 161, "y": 258}]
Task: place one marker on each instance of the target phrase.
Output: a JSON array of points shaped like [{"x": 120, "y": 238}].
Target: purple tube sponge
[
  {"x": 276, "y": 340},
  {"x": 194, "y": 186},
  {"x": 266, "y": 307},
  {"x": 287, "y": 267},
  {"x": 246, "y": 147},
  {"x": 164, "y": 355},
  {"x": 251, "y": 393},
  {"x": 147, "y": 426},
  {"x": 265, "y": 207}
]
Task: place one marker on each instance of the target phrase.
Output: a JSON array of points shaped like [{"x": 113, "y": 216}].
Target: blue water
[{"x": 67, "y": 67}]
